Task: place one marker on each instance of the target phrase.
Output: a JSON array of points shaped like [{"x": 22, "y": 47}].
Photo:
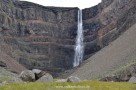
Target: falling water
[{"x": 79, "y": 48}]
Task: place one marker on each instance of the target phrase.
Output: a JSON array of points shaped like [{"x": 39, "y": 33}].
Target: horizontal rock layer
[{"x": 44, "y": 37}]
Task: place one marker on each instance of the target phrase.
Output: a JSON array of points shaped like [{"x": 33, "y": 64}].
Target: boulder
[
  {"x": 38, "y": 73},
  {"x": 27, "y": 75},
  {"x": 132, "y": 80},
  {"x": 46, "y": 78},
  {"x": 73, "y": 79}
]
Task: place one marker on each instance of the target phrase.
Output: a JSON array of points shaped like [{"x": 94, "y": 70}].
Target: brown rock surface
[
  {"x": 37, "y": 36},
  {"x": 41, "y": 37}
]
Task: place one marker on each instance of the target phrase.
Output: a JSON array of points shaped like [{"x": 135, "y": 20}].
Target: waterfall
[{"x": 79, "y": 48}]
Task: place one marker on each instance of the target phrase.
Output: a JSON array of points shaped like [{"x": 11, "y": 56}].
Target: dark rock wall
[
  {"x": 104, "y": 22},
  {"x": 44, "y": 37},
  {"x": 40, "y": 37}
]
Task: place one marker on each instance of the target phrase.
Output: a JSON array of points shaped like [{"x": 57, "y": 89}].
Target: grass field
[{"x": 86, "y": 85}]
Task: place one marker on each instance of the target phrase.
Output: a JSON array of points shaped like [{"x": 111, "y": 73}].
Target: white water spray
[{"x": 79, "y": 48}]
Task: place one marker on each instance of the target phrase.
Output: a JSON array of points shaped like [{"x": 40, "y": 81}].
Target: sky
[{"x": 67, "y": 3}]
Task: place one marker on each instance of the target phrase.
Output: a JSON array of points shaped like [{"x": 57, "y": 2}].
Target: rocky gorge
[{"x": 35, "y": 36}]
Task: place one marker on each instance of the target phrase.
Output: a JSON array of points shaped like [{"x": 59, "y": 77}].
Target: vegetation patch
[{"x": 84, "y": 85}]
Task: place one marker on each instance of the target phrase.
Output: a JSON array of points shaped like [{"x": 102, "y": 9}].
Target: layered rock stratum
[{"x": 35, "y": 36}]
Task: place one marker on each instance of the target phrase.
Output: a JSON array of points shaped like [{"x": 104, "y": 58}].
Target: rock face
[
  {"x": 37, "y": 36},
  {"x": 104, "y": 22},
  {"x": 44, "y": 37}
]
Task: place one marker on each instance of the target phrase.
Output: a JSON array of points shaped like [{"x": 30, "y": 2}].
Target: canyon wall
[
  {"x": 104, "y": 22},
  {"x": 44, "y": 37},
  {"x": 37, "y": 36}
]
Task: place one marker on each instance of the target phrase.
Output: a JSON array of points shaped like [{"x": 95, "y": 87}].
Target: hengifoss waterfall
[{"x": 79, "y": 47}]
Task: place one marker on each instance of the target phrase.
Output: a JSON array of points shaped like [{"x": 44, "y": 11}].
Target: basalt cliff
[{"x": 35, "y": 36}]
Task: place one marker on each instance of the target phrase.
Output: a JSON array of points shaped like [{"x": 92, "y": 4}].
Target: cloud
[{"x": 67, "y": 3}]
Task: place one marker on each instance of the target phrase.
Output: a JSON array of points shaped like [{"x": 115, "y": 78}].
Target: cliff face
[
  {"x": 44, "y": 37},
  {"x": 37, "y": 36},
  {"x": 108, "y": 21},
  {"x": 104, "y": 22}
]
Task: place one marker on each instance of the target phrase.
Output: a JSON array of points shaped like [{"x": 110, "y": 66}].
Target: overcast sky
[{"x": 67, "y": 3}]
